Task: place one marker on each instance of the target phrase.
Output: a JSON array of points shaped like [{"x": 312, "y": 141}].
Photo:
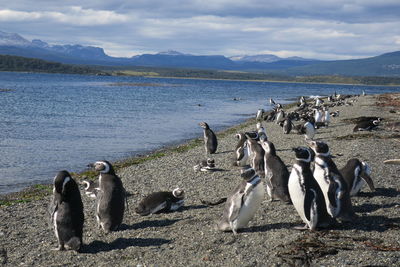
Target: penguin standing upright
[
  {"x": 241, "y": 150},
  {"x": 287, "y": 125},
  {"x": 111, "y": 198},
  {"x": 305, "y": 193},
  {"x": 242, "y": 203},
  {"x": 210, "y": 139},
  {"x": 256, "y": 154},
  {"x": 276, "y": 173},
  {"x": 334, "y": 187},
  {"x": 356, "y": 173},
  {"x": 260, "y": 115},
  {"x": 67, "y": 212},
  {"x": 161, "y": 202},
  {"x": 308, "y": 129}
]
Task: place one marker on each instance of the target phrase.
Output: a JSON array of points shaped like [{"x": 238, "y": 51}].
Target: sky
[{"x": 319, "y": 29}]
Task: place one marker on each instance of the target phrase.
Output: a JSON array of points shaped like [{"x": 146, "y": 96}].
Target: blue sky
[{"x": 331, "y": 29}]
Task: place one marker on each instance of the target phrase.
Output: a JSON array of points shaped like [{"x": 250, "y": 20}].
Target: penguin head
[
  {"x": 104, "y": 167},
  {"x": 61, "y": 182},
  {"x": 248, "y": 174},
  {"x": 204, "y": 125},
  {"x": 210, "y": 162},
  {"x": 251, "y": 135},
  {"x": 240, "y": 136},
  {"x": 178, "y": 193},
  {"x": 319, "y": 147},
  {"x": 303, "y": 154},
  {"x": 268, "y": 147}
]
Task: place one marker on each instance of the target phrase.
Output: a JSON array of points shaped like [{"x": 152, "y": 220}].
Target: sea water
[{"x": 52, "y": 122}]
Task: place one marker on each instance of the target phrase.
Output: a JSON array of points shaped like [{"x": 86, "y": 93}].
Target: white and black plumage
[
  {"x": 256, "y": 154},
  {"x": 272, "y": 102},
  {"x": 241, "y": 150},
  {"x": 308, "y": 129},
  {"x": 356, "y": 173},
  {"x": 331, "y": 182},
  {"x": 210, "y": 139},
  {"x": 163, "y": 201},
  {"x": 280, "y": 115},
  {"x": 67, "y": 212},
  {"x": 205, "y": 165},
  {"x": 305, "y": 193},
  {"x": 287, "y": 125},
  {"x": 242, "y": 203},
  {"x": 260, "y": 115},
  {"x": 276, "y": 173},
  {"x": 111, "y": 198},
  {"x": 91, "y": 188},
  {"x": 366, "y": 125}
]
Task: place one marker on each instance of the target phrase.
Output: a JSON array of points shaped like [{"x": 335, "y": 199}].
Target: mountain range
[{"x": 384, "y": 65}]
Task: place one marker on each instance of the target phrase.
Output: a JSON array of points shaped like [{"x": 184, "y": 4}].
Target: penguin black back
[
  {"x": 210, "y": 139},
  {"x": 67, "y": 212}
]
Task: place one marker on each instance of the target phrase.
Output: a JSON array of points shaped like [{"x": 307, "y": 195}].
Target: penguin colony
[{"x": 319, "y": 192}]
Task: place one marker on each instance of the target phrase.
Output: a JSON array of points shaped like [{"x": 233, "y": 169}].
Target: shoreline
[{"x": 187, "y": 237}]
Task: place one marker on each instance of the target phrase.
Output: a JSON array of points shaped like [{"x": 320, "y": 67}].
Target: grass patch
[{"x": 35, "y": 192}]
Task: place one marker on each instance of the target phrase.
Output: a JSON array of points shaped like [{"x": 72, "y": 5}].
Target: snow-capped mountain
[{"x": 13, "y": 39}]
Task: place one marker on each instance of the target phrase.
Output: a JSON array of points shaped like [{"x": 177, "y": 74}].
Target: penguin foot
[{"x": 59, "y": 248}]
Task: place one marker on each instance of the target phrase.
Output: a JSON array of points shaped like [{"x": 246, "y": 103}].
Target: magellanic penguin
[
  {"x": 334, "y": 187},
  {"x": 241, "y": 150},
  {"x": 161, "y": 202},
  {"x": 260, "y": 115},
  {"x": 67, "y": 212},
  {"x": 276, "y": 173},
  {"x": 287, "y": 125},
  {"x": 91, "y": 188},
  {"x": 242, "y": 203},
  {"x": 308, "y": 129},
  {"x": 256, "y": 154},
  {"x": 205, "y": 165},
  {"x": 111, "y": 198},
  {"x": 366, "y": 125},
  {"x": 305, "y": 193},
  {"x": 356, "y": 173},
  {"x": 210, "y": 139}
]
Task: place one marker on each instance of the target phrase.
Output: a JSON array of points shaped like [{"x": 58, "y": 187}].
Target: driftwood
[{"x": 392, "y": 161}]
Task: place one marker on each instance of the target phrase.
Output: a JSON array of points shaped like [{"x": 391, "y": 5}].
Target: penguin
[
  {"x": 210, "y": 139},
  {"x": 326, "y": 117},
  {"x": 256, "y": 154},
  {"x": 205, "y": 165},
  {"x": 280, "y": 115},
  {"x": 260, "y": 115},
  {"x": 91, "y": 188},
  {"x": 335, "y": 113},
  {"x": 272, "y": 102},
  {"x": 241, "y": 150},
  {"x": 287, "y": 125},
  {"x": 67, "y": 212},
  {"x": 111, "y": 198},
  {"x": 332, "y": 183},
  {"x": 305, "y": 193},
  {"x": 261, "y": 130},
  {"x": 366, "y": 125},
  {"x": 308, "y": 129},
  {"x": 317, "y": 115},
  {"x": 161, "y": 202},
  {"x": 356, "y": 173},
  {"x": 276, "y": 173},
  {"x": 243, "y": 202}
]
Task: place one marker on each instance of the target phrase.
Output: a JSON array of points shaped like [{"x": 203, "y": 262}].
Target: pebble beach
[{"x": 188, "y": 238}]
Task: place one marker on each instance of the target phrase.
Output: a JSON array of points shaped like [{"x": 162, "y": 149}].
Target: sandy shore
[{"x": 187, "y": 237}]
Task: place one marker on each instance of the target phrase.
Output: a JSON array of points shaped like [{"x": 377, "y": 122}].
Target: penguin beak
[{"x": 90, "y": 165}]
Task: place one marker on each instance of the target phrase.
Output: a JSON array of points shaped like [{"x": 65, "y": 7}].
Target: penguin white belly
[
  {"x": 357, "y": 182},
  {"x": 250, "y": 206},
  {"x": 55, "y": 224},
  {"x": 297, "y": 194}
]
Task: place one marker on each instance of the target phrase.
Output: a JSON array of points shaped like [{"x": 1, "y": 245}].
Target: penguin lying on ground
[
  {"x": 161, "y": 202},
  {"x": 67, "y": 212},
  {"x": 210, "y": 139},
  {"x": 205, "y": 165},
  {"x": 243, "y": 203},
  {"x": 366, "y": 125},
  {"x": 305, "y": 193},
  {"x": 91, "y": 188},
  {"x": 111, "y": 198},
  {"x": 356, "y": 173}
]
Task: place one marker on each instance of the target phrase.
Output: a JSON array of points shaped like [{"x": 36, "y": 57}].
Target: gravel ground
[{"x": 187, "y": 237}]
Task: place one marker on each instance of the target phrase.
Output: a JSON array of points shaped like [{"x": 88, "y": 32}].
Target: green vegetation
[
  {"x": 35, "y": 192},
  {"x": 15, "y": 63}
]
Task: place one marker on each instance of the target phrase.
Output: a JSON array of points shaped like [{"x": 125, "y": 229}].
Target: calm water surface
[{"x": 51, "y": 122}]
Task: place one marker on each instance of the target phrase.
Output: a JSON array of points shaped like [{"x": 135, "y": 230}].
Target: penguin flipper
[
  {"x": 308, "y": 201},
  {"x": 332, "y": 193},
  {"x": 235, "y": 206},
  {"x": 368, "y": 179}
]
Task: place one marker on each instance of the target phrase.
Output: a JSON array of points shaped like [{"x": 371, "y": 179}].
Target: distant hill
[
  {"x": 384, "y": 65},
  {"x": 15, "y": 63}
]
